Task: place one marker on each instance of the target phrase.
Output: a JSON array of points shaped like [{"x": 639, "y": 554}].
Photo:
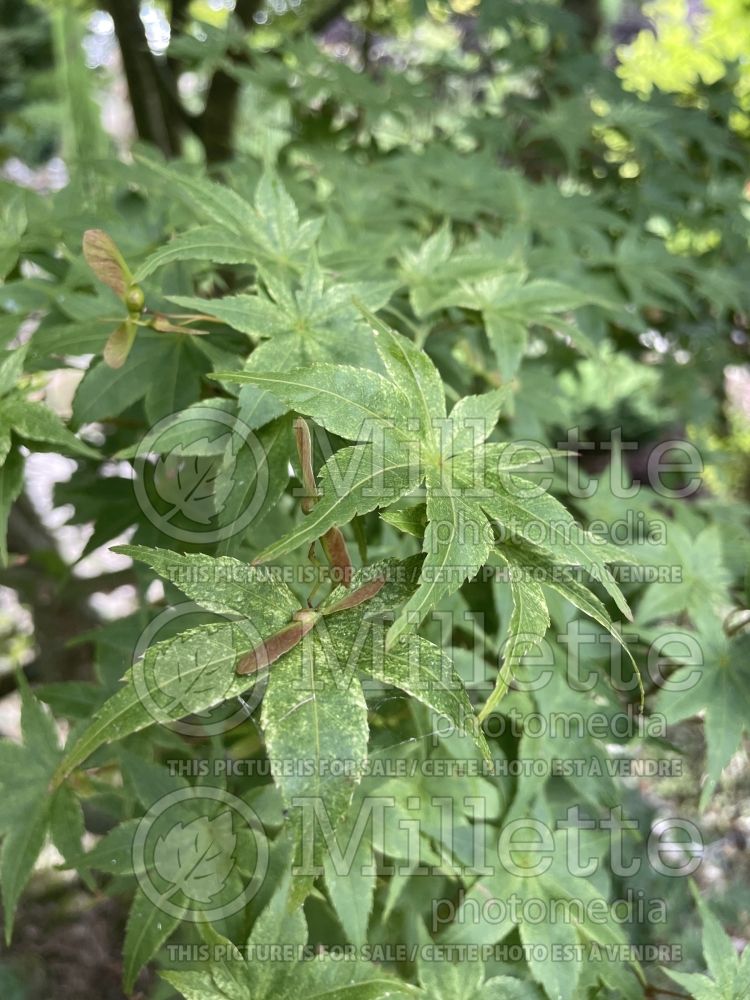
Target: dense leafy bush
[{"x": 400, "y": 410}]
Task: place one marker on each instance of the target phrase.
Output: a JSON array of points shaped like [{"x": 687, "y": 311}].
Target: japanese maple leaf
[{"x": 405, "y": 440}]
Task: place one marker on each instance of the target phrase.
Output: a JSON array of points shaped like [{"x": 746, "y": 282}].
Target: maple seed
[
  {"x": 304, "y": 450},
  {"x": 337, "y": 553},
  {"x": 333, "y": 541},
  {"x": 106, "y": 261},
  {"x": 303, "y": 620},
  {"x": 135, "y": 299},
  {"x": 118, "y": 346},
  {"x": 275, "y": 646},
  {"x": 357, "y": 597}
]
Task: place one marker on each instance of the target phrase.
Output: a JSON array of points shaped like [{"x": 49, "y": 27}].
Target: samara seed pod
[
  {"x": 281, "y": 642},
  {"x": 357, "y": 597},
  {"x": 304, "y": 450},
  {"x": 135, "y": 300},
  {"x": 337, "y": 554},
  {"x": 105, "y": 260}
]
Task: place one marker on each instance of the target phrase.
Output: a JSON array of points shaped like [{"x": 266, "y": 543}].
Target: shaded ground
[{"x": 66, "y": 946}]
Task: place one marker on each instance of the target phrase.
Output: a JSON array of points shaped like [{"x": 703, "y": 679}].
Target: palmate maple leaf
[
  {"x": 405, "y": 439},
  {"x": 314, "y": 706},
  {"x": 719, "y": 689}
]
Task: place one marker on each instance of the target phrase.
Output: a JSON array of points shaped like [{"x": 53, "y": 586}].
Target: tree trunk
[
  {"x": 156, "y": 116},
  {"x": 589, "y": 17}
]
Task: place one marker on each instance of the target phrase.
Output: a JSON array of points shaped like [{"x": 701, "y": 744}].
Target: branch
[
  {"x": 215, "y": 126},
  {"x": 154, "y": 103},
  {"x": 60, "y": 613}
]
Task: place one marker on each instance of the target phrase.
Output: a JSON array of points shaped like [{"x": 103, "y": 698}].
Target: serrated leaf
[
  {"x": 526, "y": 512},
  {"x": 223, "y": 585},
  {"x": 351, "y": 402},
  {"x": 20, "y": 850},
  {"x": 316, "y": 715},
  {"x": 472, "y": 420},
  {"x": 11, "y": 368},
  {"x": 216, "y": 202},
  {"x": 353, "y": 481},
  {"x": 352, "y": 891},
  {"x": 414, "y": 374},
  {"x": 147, "y": 929},
  {"x": 177, "y": 677},
  {"x": 528, "y": 625},
  {"x": 413, "y": 665},
  {"x": 11, "y": 484},
  {"x": 38, "y": 423},
  {"x": 457, "y": 543},
  {"x": 209, "y": 243},
  {"x": 721, "y": 689}
]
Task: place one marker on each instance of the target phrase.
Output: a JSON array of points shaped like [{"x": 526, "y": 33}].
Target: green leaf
[
  {"x": 472, "y": 420},
  {"x": 317, "y": 715},
  {"x": 410, "y": 520},
  {"x": 720, "y": 688},
  {"x": 21, "y": 847},
  {"x": 457, "y": 543},
  {"x": 11, "y": 368},
  {"x": 25, "y": 774},
  {"x": 558, "y": 978},
  {"x": 526, "y": 560},
  {"x": 196, "y": 669},
  {"x": 11, "y": 484},
  {"x": 177, "y": 677},
  {"x": 528, "y": 625},
  {"x": 210, "y": 243},
  {"x": 730, "y": 975},
  {"x": 216, "y": 202},
  {"x": 223, "y": 585},
  {"x": 77, "y": 337},
  {"x": 703, "y": 584},
  {"x": 352, "y": 890},
  {"x": 526, "y": 512},
  {"x": 279, "y": 922},
  {"x": 350, "y": 402},
  {"x": 310, "y": 321},
  {"x": 353, "y": 481},
  {"x": 113, "y": 853},
  {"x": 718, "y": 950},
  {"x": 281, "y": 233},
  {"x": 66, "y": 823},
  {"x": 272, "y": 224},
  {"x": 106, "y": 392},
  {"x": 510, "y": 305},
  {"x": 147, "y": 929},
  {"x": 413, "y": 665},
  {"x": 414, "y": 374},
  {"x": 38, "y": 423}
]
